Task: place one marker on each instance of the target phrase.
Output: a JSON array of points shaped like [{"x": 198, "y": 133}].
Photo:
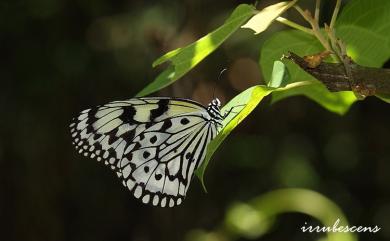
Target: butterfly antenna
[
  {"x": 214, "y": 90},
  {"x": 219, "y": 78}
]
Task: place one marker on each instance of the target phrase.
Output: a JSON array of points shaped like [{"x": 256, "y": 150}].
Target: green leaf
[
  {"x": 338, "y": 103},
  {"x": 282, "y": 42},
  {"x": 364, "y": 26},
  {"x": 265, "y": 17},
  {"x": 186, "y": 58},
  {"x": 242, "y": 105},
  {"x": 385, "y": 98},
  {"x": 280, "y": 75},
  {"x": 371, "y": 20},
  {"x": 301, "y": 44}
]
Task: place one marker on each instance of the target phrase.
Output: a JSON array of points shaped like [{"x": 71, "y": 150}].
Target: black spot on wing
[
  {"x": 90, "y": 129},
  {"x": 91, "y": 116},
  {"x": 136, "y": 146},
  {"x": 129, "y": 156},
  {"x": 97, "y": 136},
  {"x": 184, "y": 121},
  {"x": 167, "y": 124},
  {"x": 91, "y": 119},
  {"x": 112, "y": 136},
  {"x": 128, "y": 136},
  {"x": 111, "y": 153},
  {"x": 128, "y": 114},
  {"x": 146, "y": 154},
  {"x": 97, "y": 146},
  {"x": 153, "y": 139},
  {"x": 161, "y": 109}
]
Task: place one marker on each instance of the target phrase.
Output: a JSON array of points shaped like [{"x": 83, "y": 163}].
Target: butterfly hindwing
[
  {"x": 153, "y": 144},
  {"x": 160, "y": 162}
]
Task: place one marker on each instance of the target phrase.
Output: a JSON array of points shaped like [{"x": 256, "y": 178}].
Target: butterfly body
[{"x": 154, "y": 144}]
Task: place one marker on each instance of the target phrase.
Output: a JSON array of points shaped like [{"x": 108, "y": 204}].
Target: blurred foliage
[
  {"x": 186, "y": 58},
  {"x": 60, "y": 57},
  {"x": 255, "y": 218}
]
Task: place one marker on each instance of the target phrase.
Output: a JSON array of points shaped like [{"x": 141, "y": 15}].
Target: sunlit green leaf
[
  {"x": 280, "y": 76},
  {"x": 241, "y": 106},
  {"x": 367, "y": 36},
  {"x": 364, "y": 26},
  {"x": 265, "y": 17},
  {"x": 186, "y": 58}
]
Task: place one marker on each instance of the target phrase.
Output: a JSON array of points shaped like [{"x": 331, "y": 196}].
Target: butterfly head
[
  {"x": 214, "y": 109},
  {"x": 216, "y": 102}
]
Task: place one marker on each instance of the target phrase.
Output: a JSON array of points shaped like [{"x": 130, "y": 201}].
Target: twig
[
  {"x": 294, "y": 25},
  {"x": 335, "y": 13},
  {"x": 315, "y": 27},
  {"x": 303, "y": 14},
  {"x": 366, "y": 81},
  {"x": 317, "y": 11},
  {"x": 334, "y": 43}
]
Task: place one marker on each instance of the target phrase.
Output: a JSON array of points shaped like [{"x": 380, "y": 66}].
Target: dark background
[{"x": 60, "y": 57}]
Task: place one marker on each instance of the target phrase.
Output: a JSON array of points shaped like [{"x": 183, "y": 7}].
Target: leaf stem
[
  {"x": 335, "y": 13},
  {"x": 317, "y": 11},
  {"x": 333, "y": 41},
  {"x": 315, "y": 27},
  {"x": 303, "y": 14},
  {"x": 294, "y": 25}
]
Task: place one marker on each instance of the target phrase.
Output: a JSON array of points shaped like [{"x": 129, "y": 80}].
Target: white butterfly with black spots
[{"x": 153, "y": 144}]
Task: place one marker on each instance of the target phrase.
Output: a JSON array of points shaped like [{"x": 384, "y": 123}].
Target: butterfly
[{"x": 154, "y": 144}]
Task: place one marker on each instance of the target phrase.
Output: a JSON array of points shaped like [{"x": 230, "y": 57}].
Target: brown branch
[{"x": 367, "y": 81}]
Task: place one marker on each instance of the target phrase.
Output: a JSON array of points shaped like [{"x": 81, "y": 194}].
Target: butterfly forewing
[{"x": 153, "y": 144}]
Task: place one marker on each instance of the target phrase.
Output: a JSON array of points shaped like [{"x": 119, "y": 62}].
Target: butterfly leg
[{"x": 230, "y": 111}]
